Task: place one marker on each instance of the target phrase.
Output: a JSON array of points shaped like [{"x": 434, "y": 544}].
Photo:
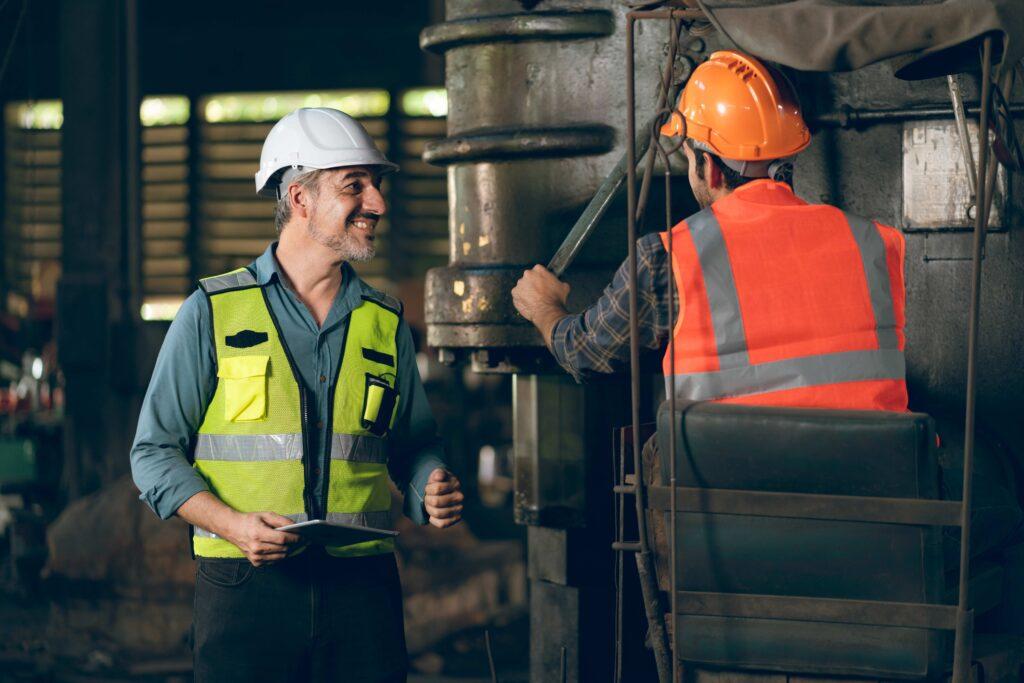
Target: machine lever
[{"x": 597, "y": 207}]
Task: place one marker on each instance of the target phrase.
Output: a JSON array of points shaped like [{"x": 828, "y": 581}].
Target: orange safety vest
[{"x": 785, "y": 303}]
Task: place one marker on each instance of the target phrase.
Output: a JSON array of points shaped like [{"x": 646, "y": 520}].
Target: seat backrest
[{"x": 876, "y": 456}]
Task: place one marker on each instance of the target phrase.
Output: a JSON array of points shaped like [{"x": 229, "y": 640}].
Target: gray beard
[{"x": 346, "y": 245}]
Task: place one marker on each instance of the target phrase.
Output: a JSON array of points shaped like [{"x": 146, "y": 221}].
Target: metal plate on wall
[{"x": 936, "y": 190}]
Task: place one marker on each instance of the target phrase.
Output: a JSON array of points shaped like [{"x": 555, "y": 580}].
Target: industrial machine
[{"x": 551, "y": 107}]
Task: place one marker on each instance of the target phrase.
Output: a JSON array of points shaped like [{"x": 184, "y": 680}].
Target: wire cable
[{"x": 14, "y": 37}]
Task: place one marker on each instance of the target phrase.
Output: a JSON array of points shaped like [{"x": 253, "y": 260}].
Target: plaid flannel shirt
[{"x": 597, "y": 340}]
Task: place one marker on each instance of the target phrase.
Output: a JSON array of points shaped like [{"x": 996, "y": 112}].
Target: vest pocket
[
  {"x": 379, "y": 402},
  {"x": 245, "y": 387}
]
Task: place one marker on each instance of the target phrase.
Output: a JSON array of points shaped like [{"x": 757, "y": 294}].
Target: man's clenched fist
[
  {"x": 443, "y": 499},
  {"x": 540, "y": 297}
]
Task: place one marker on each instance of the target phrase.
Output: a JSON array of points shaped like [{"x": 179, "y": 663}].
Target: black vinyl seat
[{"x": 807, "y": 541}]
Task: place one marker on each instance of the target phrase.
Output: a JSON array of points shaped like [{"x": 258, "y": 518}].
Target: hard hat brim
[{"x": 268, "y": 187}]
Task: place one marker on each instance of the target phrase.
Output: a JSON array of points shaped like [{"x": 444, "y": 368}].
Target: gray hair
[{"x": 308, "y": 180}]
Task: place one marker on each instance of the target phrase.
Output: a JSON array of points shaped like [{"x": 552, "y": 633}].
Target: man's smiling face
[{"x": 347, "y": 206}]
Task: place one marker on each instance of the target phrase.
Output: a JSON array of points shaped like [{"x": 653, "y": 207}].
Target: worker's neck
[
  {"x": 310, "y": 268},
  {"x": 720, "y": 192}
]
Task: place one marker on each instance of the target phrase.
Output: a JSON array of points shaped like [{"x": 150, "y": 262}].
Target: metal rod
[
  {"x": 655, "y": 613},
  {"x": 490, "y": 656},
  {"x": 993, "y": 166},
  {"x": 663, "y": 90},
  {"x": 672, "y": 411},
  {"x": 651, "y": 595},
  {"x": 620, "y": 532},
  {"x": 849, "y": 118},
  {"x": 595, "y": 211},
  {"x": 673, "y": 569},
  {"x": 634, "y": 328},
  {"x": 964, "y": 631},
  {"x": 965, "y": 139},
  {"x": 668, "y": 14}
]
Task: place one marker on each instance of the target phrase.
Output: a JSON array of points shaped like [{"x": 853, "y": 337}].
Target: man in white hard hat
[{"x": 287, "y": 391}]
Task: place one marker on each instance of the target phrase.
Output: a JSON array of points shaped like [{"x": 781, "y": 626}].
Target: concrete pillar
[
  {"x": 563, "y": 447},
  {"x": 99, "y": 293}
]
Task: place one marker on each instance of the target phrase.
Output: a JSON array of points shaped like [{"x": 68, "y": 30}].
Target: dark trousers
[{"x": 311, "y": 617}]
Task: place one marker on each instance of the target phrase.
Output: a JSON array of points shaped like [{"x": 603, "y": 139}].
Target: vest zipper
[
  {"x": 330, "y": 413},
  {"x": 307, "y": 495},
  {"x": 312, "y": 508}
]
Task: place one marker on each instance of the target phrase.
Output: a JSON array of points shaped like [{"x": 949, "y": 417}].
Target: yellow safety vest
[{"x": 252, "y": 445}]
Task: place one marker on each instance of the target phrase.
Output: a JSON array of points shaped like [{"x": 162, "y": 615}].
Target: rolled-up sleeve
[
  {"x": 415, "y": 449},
  {"x": 183, "y": 382},
  {"x": 597, "y": 340}
]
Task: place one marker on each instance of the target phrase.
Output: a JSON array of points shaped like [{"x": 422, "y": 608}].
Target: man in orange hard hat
[{"x": 780, "y": 302}]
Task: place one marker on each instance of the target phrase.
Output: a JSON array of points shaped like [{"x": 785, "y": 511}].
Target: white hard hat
[{"x": 314, "y": 138}]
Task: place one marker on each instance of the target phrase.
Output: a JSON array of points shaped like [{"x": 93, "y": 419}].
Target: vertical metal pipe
[
  {"x": 620, "y": 532},
  {"x": 666, "y": 85},
  {"x": 993, "y": 166},
  {"x": 964, "y": 630},
  {"x": 673, "y": 505},
  {"x": 655, "y": 619},
  {"x": 634, "y": 330},
  {"x": 672, "y": 423}
]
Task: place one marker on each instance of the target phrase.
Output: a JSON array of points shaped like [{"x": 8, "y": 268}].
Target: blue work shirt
[{"x": 184, "y": 381}]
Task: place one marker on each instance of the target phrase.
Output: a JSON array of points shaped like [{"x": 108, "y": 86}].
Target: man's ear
[
  {"x": 299, "y": 198},
  {"x": 712, "y": 173}
]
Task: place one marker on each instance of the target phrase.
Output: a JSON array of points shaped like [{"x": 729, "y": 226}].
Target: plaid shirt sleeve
[{"x": 597, "y": 340}]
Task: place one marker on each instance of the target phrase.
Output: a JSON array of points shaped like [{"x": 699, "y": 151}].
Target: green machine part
[{"x": 17, "y": 461}]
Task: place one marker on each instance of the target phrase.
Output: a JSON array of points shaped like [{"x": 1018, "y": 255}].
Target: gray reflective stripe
[
  {"x": 203, "y": 533},
  {"x": 249, "y": 447},
  {"x": 385, "y": 300},
  {"x": 792, "y": 373},
  {"x": 374, "y": 520},
  {"x": 720, "y": 285},
  {"x": 358, "y": 448},
  {"x": 876, "y": 271},
  {"x": 219, "y": 283}
]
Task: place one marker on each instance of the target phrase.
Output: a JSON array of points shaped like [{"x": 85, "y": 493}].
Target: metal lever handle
[{"x": 598, "y": 206}]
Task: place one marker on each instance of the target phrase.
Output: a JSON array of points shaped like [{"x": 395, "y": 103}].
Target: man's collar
[
  {"x": 266, "y": 265},
  {"x": 268, "y": 269},
  {"x": 765, "y": 191}
]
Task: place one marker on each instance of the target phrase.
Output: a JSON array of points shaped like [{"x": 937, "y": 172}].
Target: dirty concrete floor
[{"x": 27, "y": 655}]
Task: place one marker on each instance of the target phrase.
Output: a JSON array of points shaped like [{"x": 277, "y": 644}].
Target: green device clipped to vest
[{"x": 378, "y": 405}]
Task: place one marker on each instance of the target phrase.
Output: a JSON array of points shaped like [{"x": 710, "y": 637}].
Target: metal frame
[{"x": 959, "y": 618}]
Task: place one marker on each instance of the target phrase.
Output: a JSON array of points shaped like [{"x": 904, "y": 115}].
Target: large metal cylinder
[{"x": 536, "y": 120}]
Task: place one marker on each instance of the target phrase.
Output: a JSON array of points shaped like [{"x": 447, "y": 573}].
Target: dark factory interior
[{"x": 596, "y": 463}]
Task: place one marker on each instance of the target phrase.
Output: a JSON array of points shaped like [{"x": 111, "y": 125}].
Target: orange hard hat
[{"x": 739, "y": 108}]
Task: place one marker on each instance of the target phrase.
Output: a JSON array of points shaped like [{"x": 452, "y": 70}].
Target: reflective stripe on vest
[
  {"x": 233, "y": 280},
  {"x": 249, "y": 448},
  {"x": 356, "y": 448},
  {"x": 376, "y": 520},
  {"x": 736, "y": 375}
]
